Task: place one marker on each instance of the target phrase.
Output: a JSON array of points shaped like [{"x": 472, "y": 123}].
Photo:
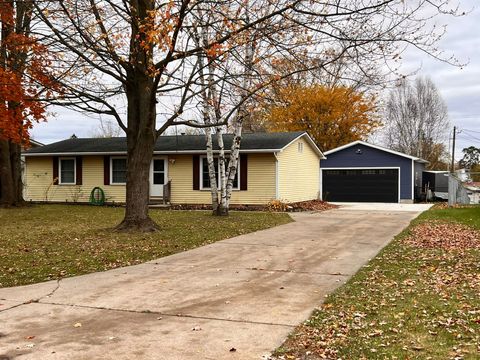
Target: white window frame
[
  {"x": 60, "y": 182},
  {"x": 202, "y": 158},
  {"x": 111, "y": 170}
]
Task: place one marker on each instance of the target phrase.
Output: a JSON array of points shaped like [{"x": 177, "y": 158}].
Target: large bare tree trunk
[
  {"x": 11, "y": 186},
  {"x": 140, "y": 144}
]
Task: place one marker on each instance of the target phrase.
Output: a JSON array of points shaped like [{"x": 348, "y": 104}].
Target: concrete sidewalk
[{"x": 234, "y": 299}]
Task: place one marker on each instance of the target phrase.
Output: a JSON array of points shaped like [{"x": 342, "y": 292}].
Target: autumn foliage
[
  {"x": 333, "y": 116},
  {"x": 22, "y": 76}
]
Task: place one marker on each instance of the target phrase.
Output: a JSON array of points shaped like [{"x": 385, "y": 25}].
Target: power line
[
  {"x": 471, "y": 136},
  {"x": 474, "y": 131},
  {"x": 476, "y": 141}
]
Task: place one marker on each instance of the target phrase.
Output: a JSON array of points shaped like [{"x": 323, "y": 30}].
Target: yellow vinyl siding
[
  {"x": 39, "y": 177},
  {"x": 261, "y": 182},
  {"x": 298, "y": 173}
]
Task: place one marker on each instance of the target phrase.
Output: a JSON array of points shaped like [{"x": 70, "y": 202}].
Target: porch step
[{"x": 156, "y": 200}]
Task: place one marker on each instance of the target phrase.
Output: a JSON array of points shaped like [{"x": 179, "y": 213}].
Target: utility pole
[{"x": 452, "y": 170}]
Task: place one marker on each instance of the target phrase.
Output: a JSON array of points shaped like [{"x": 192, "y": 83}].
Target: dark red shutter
[
  {"x": 196, "y": 172},
  {"x": 55, "y": 179},
  {"x": 79, "y": 170},
  {"x": 106, "y": 170},
  {"x": 243, "y": 172}
]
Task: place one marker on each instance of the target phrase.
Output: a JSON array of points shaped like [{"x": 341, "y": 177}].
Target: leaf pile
[
  {"x": 443, "y": 235},
  {"x": 311, "y": 205}
]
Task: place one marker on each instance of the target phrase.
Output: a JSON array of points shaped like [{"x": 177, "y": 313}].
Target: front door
[{"x": 158, "y": 176}]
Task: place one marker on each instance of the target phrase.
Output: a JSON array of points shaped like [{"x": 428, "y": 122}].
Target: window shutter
[
  {"x": 106, "y": 170},
  {"x": 243, "y": 172},
  {"x": 196, "y": 172},
  {"x": 55, "y": 179},
  {"x": 79, "y": 170}
]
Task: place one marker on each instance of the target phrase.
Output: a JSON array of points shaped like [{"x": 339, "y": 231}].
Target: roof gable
[{"x": 381, "y": 148}]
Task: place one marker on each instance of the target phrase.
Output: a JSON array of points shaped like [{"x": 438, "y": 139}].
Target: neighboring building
[
  {"x": 473, "y": 191},
  {"x": 283, "y": 166},
  {"x": 362, "y": 172}
]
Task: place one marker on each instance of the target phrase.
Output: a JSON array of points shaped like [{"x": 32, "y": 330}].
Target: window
[
  {"x": 205, "y": 178},
  {"x": 158, "y": 171},
  {"x": 119, "y": 171},
  {"x": 67, "y": 171}
]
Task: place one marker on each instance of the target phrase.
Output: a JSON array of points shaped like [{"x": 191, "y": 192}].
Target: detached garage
[{"x": 362, "y": 172}]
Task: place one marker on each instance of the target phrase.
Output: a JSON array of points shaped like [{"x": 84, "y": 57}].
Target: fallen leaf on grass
[{"x": 442, "y": 235}]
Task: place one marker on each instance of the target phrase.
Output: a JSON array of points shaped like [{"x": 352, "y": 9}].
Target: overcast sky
[{"x": 460, "y": 87}]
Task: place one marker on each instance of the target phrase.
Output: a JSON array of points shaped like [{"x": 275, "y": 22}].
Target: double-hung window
[
  {"x": 67, "y": 171},
  {"x": 119, "y": 170},
  {"x": 205, "y": 177}
]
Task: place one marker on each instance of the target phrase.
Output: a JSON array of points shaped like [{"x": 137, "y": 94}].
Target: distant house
[
  {"x": 363, "y": 172},
  {"x": 283, "y": 166}
]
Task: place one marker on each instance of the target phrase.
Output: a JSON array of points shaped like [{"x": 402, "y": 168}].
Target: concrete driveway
[{"x": 235, "y": 299}]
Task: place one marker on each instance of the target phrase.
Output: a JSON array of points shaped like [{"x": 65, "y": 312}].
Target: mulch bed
[
  {"x": 311, "y": 205},
  {"x": 444, "y": 235}
]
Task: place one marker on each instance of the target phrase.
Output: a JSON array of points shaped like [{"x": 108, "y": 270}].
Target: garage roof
[{"x": 360, "y": 142}]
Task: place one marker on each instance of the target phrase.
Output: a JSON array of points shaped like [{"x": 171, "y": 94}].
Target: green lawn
[
  {"x": 409, "y": 302},
  {"x": 47, "y": 242}
]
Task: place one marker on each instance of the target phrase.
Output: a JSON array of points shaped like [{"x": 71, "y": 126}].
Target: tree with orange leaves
[
  {"x": 333, "y": 116},
  {"x": 23, "y": 79}
]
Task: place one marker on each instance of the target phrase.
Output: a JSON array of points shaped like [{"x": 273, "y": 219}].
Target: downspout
[{"x": 276, "y": 176}]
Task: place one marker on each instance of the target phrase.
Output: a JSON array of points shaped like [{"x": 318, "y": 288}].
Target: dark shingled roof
[{"x": 193, "y": 143}]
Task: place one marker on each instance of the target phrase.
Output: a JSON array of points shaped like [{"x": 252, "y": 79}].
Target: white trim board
[
  {"x": 361, "y": 168},
  {"x": 360, "y": 142}
]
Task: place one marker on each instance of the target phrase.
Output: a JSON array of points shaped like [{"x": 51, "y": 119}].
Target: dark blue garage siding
[{"x": 371, "y": 157}]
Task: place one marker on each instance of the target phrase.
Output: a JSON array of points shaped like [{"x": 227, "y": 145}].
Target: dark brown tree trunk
[
  {"x": 11, "y": 186},
  {"x": 140, "y": 144}
]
